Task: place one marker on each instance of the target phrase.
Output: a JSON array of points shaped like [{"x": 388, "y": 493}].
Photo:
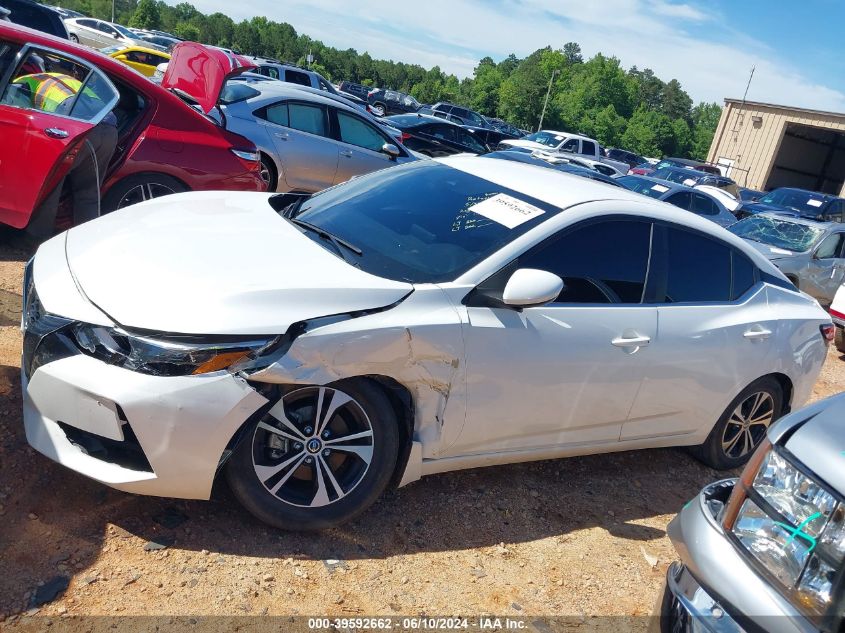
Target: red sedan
[{"x": 164, "y": 144}]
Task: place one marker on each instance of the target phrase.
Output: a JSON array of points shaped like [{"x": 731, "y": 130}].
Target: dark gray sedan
[
  {"x": 811, "y": 254},
  {"x": 766, "y": 552},
  {"x": 681, "y": 196}
]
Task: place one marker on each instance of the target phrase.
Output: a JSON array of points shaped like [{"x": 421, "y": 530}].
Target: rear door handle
[
  {"x": 633, "y": 341},
  {"x": 56, "y": 132},
  {"x": 757, "y": 333},
  {"x": 281, "y": 135},
  {"x": 346, "y": 153}
]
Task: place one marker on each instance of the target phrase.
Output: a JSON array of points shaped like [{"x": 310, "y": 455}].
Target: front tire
[
  {"x": 139, "y": 188},
  {"x": 743, "y": 425},
  {"x": 73, "y": 38},
  {"x": 320, "y": 456}
]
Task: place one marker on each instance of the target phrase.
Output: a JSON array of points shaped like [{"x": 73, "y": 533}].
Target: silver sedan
[
  {"x": 308, "y": 141},
  {"x": 808, "y": 252}
]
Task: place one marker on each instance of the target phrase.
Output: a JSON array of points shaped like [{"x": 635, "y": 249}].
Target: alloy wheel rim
[
  {"x": 313, "y": 447},
  {"x": 142, "y": 192},
  {"x": 747, "y": 424},
  {"x": 265, "y": 173}
]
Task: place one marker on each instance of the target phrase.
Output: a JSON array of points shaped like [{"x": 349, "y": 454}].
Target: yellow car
[{"x": 144, "y": 60}]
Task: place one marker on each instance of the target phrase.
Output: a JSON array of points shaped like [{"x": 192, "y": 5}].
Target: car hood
[
  {"x": 772, "y": 252},
  {"x": 215, "y": 263},
  {"x": 761, "y": 207},
  {"x": 811, "y": 442},
  {"x": 529, "y": 144},
  {"x": 200, "y": 72}
]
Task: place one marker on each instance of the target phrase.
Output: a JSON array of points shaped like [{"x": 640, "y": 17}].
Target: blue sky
[{"x": 798, "y": 48}]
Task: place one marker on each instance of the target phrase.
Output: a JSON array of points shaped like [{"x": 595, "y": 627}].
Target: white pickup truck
[{"x": 566, "y": 144}]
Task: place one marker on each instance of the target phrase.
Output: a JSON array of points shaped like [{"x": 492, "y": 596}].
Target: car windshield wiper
[{"x": 340, "y": 244}]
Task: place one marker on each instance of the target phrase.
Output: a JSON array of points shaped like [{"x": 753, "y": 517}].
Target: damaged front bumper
[{"x": 139, "y": 433}]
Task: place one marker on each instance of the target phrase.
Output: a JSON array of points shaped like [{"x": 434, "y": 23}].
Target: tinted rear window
[
  {"x": 698, "y": 268},
  {"x": 416, "y": 222}
]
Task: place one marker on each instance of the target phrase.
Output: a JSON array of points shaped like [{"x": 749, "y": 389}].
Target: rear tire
[
  {"x": 73, "y": 38},
  {"x": 294, "y": 470},
  {"x": 742, "y": 426},
  {"x": 139, "y": 188},
  {"x": 268, "y": 173}
]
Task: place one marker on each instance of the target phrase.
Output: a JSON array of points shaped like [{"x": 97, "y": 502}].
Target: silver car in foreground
[
  {"x": 307, "y": 141},
  {"x": 766, "y": 551},
  {"x": 808, "y": 252}
]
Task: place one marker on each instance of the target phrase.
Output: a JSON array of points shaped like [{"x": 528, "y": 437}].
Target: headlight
[
  {"x": 166, "y": 356},
  {"x": 793, "y": 526}
]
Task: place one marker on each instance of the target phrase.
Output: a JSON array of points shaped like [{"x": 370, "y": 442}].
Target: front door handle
[
  {"x": 632, "y": 341},
  {"x": 346, "y": 153},
  {"x": 757, "y": 333},
  {"x": 56, "y": 132},
  {"x": 281, "y": 135}
]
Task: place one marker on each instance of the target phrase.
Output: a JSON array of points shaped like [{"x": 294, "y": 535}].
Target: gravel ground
[{"x": 581, "y": 536}]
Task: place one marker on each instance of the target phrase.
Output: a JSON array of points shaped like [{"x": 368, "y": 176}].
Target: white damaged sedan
[{"x": 430, "y": 317}]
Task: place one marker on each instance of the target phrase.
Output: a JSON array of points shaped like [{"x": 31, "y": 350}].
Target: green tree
[
  {"x": 146, "y": 15},
  {"x": 649, "y": 133},
  {"x": 187, "y": 32},
  {"x": 484, "y": 88},
  {"x": 675, "y": 102},
  {"x": 572, "y": 52},
  {"x": 705, "y": 119}
]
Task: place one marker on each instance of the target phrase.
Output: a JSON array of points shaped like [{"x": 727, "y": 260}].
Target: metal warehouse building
[{"x": 763, "y": 146}]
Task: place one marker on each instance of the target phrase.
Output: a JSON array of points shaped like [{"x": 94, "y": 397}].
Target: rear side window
[
  {"x": 698, "y": 268},
  {"x": 601, "y": 262},
  {"x": 744, "y": 274},
  {"x": 296, "y": 77},
  {"x": 830, "y": 247},
  {"x": 588, "y": 147},
  {"x": 298, "y": 116}
]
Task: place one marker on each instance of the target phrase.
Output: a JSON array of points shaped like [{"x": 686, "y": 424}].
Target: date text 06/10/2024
[{"x": 421, "y": 623}]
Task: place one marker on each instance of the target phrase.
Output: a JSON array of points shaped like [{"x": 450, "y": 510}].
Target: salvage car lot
[{"x": 582, "y": 536}]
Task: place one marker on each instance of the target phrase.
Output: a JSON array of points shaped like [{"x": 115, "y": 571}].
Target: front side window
[
  {"x": 356, "y": 132},
  {"x": 680, "y": 200},
  {"x": 269, "y": 71},
  {"x": 50, "y": 82},
  {"x": 570, "y": 146},
  {"x": 296, "y": 77},
  {"x": 588, "y": 147},
  {"x": 830, "y": 247},
  {"x": 308, "y": 118},
  {"x": 470, "y": 141},
  {"x": 702, "y": 205},
  {"x": 698, "y": 268},
  {"x": 601, "y": 262}
]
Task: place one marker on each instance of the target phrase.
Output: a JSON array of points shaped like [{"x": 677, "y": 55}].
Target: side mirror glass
[
  {"x": 529, "y": 287},
  {"x": 390, "y": 149}
]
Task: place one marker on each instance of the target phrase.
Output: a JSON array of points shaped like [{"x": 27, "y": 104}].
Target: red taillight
[
  {"x": 405, "y": 136},
  {"x": 828, "y": 331},
  {"x": 837, "y": 314}
]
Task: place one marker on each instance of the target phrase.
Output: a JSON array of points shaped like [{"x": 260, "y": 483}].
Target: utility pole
[
  {"x": 112, "y": 10},
  {"x": 546, "y": 100}
]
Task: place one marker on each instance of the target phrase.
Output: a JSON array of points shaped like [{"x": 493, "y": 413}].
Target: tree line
[{"x": 633, "y": 109}]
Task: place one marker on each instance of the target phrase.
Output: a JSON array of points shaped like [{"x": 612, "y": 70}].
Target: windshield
[
  {"x": 801, "y": 201},
  {"x": 777, "y": 232},
  {"x": 643, "y": 186},
  {"x": 423, "y": 222},
  {"x": 679, "y": 176},
  {"x": 549, "y": 139},
  {"x": 123, "y": 31}
]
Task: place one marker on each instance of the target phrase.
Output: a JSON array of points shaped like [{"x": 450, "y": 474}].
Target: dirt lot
[{"x": 569, "y": 537}]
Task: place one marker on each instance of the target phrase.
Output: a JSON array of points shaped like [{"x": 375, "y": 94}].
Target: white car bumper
[{"x": 145, "y": 434}]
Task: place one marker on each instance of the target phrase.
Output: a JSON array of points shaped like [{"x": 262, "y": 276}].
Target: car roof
[
  {"x": 809, "y": 192},
  {"x": 275, "y": 89},
  {"x": 539, "y": 182}
]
